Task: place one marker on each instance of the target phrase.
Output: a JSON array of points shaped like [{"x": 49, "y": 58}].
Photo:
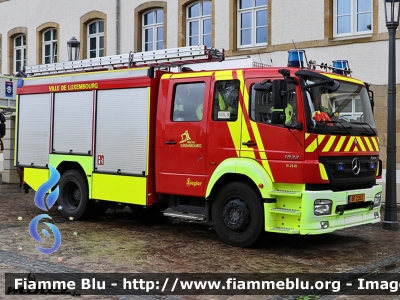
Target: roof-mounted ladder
[{"x": 159, "y": 59}]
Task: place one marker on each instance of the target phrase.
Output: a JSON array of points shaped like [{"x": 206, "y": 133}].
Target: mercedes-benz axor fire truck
[{"x": 290, "y": 150}]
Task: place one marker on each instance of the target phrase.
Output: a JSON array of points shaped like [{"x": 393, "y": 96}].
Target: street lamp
[
  {"x": 392, "y": 13},
  {"x": 73, "y": 49}
]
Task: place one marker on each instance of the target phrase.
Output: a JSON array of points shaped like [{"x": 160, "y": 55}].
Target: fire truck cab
[{"x": 289, "y": 150}]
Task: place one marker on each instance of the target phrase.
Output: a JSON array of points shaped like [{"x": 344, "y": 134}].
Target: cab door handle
[
  {"x": 170, "y": 142},
  {"x": 249, "y": 144}
]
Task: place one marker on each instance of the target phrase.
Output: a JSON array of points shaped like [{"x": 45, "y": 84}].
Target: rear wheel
[
  {"x": 74, "y": 197},
  {"x": 238, "y": 215}
]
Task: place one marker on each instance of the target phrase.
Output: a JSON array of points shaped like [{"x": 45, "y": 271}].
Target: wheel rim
[
  {"x": 72, "y": 195},
  {"x": 236, "y": 214}
]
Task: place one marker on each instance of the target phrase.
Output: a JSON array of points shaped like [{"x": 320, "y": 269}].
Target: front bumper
[
  {"x": 311, "y": 224},
  {"x": 293, "y": 213}
]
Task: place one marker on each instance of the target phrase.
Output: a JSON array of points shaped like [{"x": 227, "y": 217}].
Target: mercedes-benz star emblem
[{"x": 356, "y": 166}]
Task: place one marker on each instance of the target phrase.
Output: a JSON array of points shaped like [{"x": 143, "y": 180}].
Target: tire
[
  {"x": 237, "y": 214},
  {"x": 74, "y": 196}
]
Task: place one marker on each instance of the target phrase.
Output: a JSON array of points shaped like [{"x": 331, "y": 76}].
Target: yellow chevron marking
[
  {"x": 349, "y": 144},
  {"x": 355, "y": 149},
  {"x": 361, "y": 144},
  {"x": 320, "y": 138},
  {"x": 375, "y": 143},
  {"x": 370, "y": 148},
  {"x": 340, "y": 144},
  {"x": 322, "y": 171},
  {"x": 307, "y": 135},
  {"x": 329, "y": 144},
  {"x": 312, "y": 146}
]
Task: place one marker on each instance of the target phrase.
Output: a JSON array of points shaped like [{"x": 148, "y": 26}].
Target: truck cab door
[
  {"x": 181, "y": 160},
  {"x": 279, "y": 149}
]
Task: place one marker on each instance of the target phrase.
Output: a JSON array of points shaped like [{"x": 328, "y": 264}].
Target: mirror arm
[{"x": 297, "y": 125}]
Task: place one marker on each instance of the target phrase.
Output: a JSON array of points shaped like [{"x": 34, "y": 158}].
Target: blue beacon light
[{"x": 296, "y": 58}]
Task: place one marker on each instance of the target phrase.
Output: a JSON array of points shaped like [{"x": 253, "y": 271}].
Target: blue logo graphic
[
  {"x": 40, "y": 203},
  {"x": 9, "y": 89}
]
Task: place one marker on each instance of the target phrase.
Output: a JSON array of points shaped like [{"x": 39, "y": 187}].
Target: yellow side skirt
[
  {"x": 35, "y": 177},
  {"x": 118, "y": 188}
]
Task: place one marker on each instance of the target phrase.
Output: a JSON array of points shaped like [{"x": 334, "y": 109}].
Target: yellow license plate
[{"x": 356, "y": 198}]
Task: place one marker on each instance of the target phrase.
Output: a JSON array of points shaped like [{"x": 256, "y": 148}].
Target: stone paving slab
[{"x": 122, "y": 242}]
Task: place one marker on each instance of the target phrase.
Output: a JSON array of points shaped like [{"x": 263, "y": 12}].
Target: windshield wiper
[
  {"x": 363, "y": 123},
  {"x": 335, "y": 123}
]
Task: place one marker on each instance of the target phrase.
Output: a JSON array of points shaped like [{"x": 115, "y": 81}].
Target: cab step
[
  {"x": 286, "y": 193},
  {"x": 284, "y": 230},
  {"x": 285, "y": 211},
  {"x": 188, "y": 216}
]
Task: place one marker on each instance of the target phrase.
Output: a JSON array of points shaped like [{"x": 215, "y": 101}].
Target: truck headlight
[
  {"x": 322, "y": 207},
  {"x": 377, "y": 199}
]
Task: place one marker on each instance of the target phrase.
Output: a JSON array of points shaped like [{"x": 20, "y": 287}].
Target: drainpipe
[{"x": 117, "y": 26}]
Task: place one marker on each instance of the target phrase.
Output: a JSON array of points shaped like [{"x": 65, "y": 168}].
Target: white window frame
[
  {"x": 97, "y": 36},
  {"x": 201, "y": 18},
  {"x": 253, "y": 10},
  {"x": 21, "y": 48},
  {"x": 353, "y": 115},
  {"x": 353, "y": 20},
  {"x": 52, "y": 43},
  {"x": 154, "y": 26}
]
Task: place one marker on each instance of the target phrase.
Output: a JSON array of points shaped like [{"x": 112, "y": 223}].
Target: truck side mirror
[
  {"x": 370, "y": 95},
  {"x": 264, "y": 86},
  {"x": 279, "y": 97}
]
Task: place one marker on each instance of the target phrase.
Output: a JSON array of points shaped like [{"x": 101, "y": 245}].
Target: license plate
[{"x": 356, "y": 198}]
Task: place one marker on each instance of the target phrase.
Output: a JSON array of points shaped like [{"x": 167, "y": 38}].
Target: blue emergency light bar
[{"x": 296, "y": 58}]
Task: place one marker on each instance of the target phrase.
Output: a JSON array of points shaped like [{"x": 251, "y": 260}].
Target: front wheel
[
  {"x": 74, "y": 197},
  {"x": 238, "y": 214}
]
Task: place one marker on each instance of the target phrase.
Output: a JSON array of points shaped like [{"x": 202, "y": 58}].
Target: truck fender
[{"x": 244, "y": 166}]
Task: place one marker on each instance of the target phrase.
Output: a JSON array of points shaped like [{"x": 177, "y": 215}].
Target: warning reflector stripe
[
  {"x": 340, "y": 144},
  {"x": 313, "y": 146},
  {"x": 349, "y": 144},
  {"x": 369, "y": 146},
  {"x": 360, "y": 142},
  {"x": 329, "y": 144},
  {"x": 325, "y": 143},
  {"x": 375, "y": 143}
]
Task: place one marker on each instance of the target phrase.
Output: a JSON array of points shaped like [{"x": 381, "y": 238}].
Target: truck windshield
[{"x": 346, "y": 111}]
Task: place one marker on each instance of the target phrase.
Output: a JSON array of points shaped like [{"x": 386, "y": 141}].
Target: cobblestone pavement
[{"x": 122, "y": 242}]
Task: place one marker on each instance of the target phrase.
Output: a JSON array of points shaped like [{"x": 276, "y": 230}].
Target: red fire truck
[{"x": 290, "y": 150}]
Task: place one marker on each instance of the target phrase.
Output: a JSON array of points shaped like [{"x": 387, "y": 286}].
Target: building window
[
  {"x": 96, "y": 38},
  {"x": 199, "y": 26},
  {"x": 153, "y": 30},
  {"x": 253, "y": 23},
  {"x": 352, "y": 17},
  {"x": 49, "y": 52},
  {"x": 19, "y": 52}
]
